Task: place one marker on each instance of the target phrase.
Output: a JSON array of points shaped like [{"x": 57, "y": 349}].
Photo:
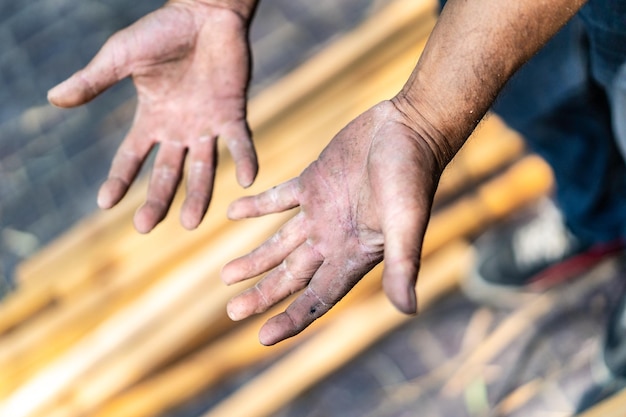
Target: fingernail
[
  {"x": 189, "y": 221},
  {"x": 142, "y": 225},
  {"x": 104, "y": 199},
  {"x": 52, "y": 95},
  {"x": 245, "y": 180},
  {"x": 234, "y": 313},
  {"x": 412, "y": 301},
  {"x": 231, "y": 212},
  {"x": 57, "y": 92},
  {"x": 267, "y": 337},
  {"x": 224, "y": 275}
]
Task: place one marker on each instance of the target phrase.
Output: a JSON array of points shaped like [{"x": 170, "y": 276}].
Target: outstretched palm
[
  {"x": 367, "y": 196},
  {"x": 190, "y": 65}
]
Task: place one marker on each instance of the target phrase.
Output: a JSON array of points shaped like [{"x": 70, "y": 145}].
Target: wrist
[
  {"x": 425, "y": 123},
  {"x": 244, "y": 8}
]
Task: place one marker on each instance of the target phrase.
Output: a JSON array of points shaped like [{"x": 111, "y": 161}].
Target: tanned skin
[
  {"x": 369, "y": 194},
  {"x": 190, "y": 63}
]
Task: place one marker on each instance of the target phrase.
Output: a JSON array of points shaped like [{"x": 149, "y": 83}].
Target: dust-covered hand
[
  {"x": 368, "y": 195},
  {"x": 190, "y": 64}
]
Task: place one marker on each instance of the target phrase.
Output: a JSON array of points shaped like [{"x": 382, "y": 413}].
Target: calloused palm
[
  {"x": 190, "y": 63},
  {"x": 366, "y": 197}
]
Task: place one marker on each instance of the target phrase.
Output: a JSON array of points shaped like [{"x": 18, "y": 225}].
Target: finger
[
  {"x": 410, "y": 186},
  {"x": 200, "y": 178},
  {"x": 164, "y": 180},
  {"x": 292, "y": 275},
  {"x": 242, "y": 150},
  {"x": 108, "y": 67},
  {"x": 276, "y": 199},
  {"x": 269, "y": 255},
  {"x": 403, "y": 236},
  {"x": 124, "y": 168},
  {"x": 329, "y": 285}
]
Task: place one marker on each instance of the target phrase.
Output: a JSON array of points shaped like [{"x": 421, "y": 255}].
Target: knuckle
[{"x": 165, "y": 172}]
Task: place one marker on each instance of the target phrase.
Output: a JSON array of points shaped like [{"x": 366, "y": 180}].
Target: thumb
[
  {"x": 402, "y": 260},
  {"x": 403, "y": 228},
  {"x": 104, "y": 70}
]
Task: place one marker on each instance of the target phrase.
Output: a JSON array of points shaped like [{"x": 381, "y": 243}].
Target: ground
[{"x": 52, "y": 162}]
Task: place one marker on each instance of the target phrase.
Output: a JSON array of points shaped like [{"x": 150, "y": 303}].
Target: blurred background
[
  {"x": 70, "y": 319},
  {"x": 52, "y": 161}
]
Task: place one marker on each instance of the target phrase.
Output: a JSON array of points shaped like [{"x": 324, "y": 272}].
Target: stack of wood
[{"x": 108, "y": 322}]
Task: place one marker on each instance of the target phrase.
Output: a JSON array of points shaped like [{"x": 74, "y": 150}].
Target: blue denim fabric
[
  {"x": 567, "y": 102},
  {"x": 555, "y": 102},
  {"x": 605, "y": 21},
  {"x": 619, "y": 107}
]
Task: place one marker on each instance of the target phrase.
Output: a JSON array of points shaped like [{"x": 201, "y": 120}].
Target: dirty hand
[
  {"x": 368, "y": 195},
  {"x": 190, "y": 65}
]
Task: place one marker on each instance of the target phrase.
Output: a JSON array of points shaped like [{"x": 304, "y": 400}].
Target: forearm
[{"x": 474, "y": 49}]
